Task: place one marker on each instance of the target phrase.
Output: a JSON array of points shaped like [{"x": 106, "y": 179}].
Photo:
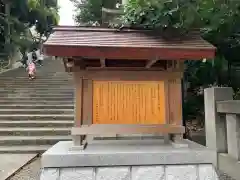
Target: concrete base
[{"x": 129, "y": 160}]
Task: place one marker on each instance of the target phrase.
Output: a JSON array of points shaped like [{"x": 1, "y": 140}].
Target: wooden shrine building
[{"x": 127, "y": 81}]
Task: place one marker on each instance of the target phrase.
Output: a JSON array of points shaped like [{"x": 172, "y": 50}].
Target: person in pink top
[
  {"x": 31, "y": 66},
  {"x": 31, "y": 70}
]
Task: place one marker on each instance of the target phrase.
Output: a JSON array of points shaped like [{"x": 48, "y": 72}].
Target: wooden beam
[
  {"x": 129, "y": 75},
  {"x": 151, "y": 62},
  {"x": 103, "y": 62},
  {"x": 125, "y": 68},
  {"x": 80, "y": 62},
  {"x": 130, "y": 52},
  {"x": 104, "y": 129}
]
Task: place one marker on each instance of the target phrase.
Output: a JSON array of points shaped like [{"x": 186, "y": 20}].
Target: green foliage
[
  {"x": 43, "y": 14},
  {"x": 89, "y": 12},
  {"x": 21, "y": 16},
  {"x": 221, "y": 26},
  {"x": 173, "y": 15}
]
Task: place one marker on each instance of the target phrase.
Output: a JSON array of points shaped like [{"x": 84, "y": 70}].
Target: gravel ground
[
  {"x": 32, "y": 172},
  {"x": 29, "y": 172}
]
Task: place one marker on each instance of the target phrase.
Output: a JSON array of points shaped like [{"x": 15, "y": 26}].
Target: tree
[
  {"x": 44, "y": 15},
  {"x": 24, "y": 14},
  {"x": 172, "y": 16},
  {"x": 89, "y": 12}
]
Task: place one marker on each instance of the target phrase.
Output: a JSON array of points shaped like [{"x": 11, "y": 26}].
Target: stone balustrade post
[
  {"x": 215, "y": 125},
  {"x": 233, "y": 135}
]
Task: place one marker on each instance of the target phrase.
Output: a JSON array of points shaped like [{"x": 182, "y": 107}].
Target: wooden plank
[
  {"x": 87, "y": 102},
  {"x": 104, "y": 129},
  {"x": 126, "y": 68},
  {"x": 78, "y": 99},
  {"x": 130, "y": 75},
  {"x": 139, "y": 101},
  {"x": 151, "y": 63}
]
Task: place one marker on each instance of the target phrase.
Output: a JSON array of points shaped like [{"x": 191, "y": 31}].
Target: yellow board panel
[{"x": 127, "y": 102}]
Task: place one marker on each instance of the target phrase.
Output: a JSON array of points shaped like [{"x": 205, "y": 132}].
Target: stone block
[
  {"x": 181, "y": 172},
  {"x": 77, "y": 174},
  {"x": 147, "y": 152},
  {"x": 113, "y": 173},
  {"x": 148, "y": 173},
  {"x": 49, "y": 174},
  {"x": 207, "y": 172}
]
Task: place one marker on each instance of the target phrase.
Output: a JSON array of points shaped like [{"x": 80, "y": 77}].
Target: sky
[{"x": 66, "y": 12}]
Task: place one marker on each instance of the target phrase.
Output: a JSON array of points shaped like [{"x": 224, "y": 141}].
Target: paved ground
[{"x": 10, "y": 163}]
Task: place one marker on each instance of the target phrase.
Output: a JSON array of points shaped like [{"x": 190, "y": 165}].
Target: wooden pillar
[
  {"x": 167, "y": 120},
  {"x": 78, "y": 99},
  {"x": 87, "y": 102}
]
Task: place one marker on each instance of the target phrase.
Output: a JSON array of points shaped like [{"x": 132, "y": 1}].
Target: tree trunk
[{"x": 7, "y": 35}]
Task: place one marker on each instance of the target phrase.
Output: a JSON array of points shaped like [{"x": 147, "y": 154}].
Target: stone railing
[{"x": 222, "y": 124}]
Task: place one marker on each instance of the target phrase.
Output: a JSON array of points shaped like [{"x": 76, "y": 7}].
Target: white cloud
[{"x": 66, "y": 12}]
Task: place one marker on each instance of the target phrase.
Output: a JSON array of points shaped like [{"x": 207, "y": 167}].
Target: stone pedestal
[{"x": 129, "y": 160}]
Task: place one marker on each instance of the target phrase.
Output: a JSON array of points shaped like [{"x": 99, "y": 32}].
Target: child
[{"x": 31, "y": 70}]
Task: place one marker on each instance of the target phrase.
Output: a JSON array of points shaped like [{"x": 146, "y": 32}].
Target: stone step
[
  {"x": 24, "y": 149},
  {"x": 43, "y": 76},
  {"x": 31, "y": 102},
  {"x": 45, "y": 117},
  {"x": 13, "y": 99},
  {"x": 34, "y": 131},
  {"x": 24, "y": 92},
  {"x": 40, "y": 82},
  {"x": 32, "y": 140},
  {"x": 41, "y": 86},
  {"x": 36, "y": 111},
  {"x": 13, "y": 84},
  {"x": 55, "y": 89},
  {"x": 20, "y": 86},
  {"x": 36, "y": 106},
  {"x": 32, "y": 95},
  {"x": 47, "y": 123},
  {"x": 37, "y": 91}
]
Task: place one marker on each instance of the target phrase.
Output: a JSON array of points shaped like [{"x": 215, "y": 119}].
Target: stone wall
[{"x": 171, "y": 172}]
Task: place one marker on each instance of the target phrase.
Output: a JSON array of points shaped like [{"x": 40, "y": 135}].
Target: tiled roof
[
  {"x": 111, "y": 38},
  {"x": 98, "y": 37}
]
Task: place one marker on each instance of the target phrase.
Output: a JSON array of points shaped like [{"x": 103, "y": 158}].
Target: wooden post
[
  {"x": 78, "y": 99},
  {"x": 167, "y": 120},
  {"x": 78, "y": 139}
]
